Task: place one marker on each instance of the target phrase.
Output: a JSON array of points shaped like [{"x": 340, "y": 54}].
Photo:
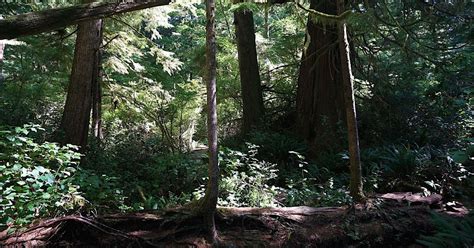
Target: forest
[{"x": 243, "y": 123}]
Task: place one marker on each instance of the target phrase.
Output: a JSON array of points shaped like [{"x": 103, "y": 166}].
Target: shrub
[
  {"x": 35, "y": 178},
  {"x": 245, "y": 180}
]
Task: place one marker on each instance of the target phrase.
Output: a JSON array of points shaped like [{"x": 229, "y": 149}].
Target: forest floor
[{"x": 394, "y": 220}]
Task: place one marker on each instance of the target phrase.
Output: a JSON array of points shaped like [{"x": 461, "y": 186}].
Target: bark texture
[
  {"x": 208, "y": 204},
  {"x": 97, "y": 96},
  {"x": 77, "y": 110},
  {"x": 252, "y": 98},
  {"x": 52, "y": 19},
  {"x": 320, "y": 98},
  {"x": 2, "y": 49},
  {"x": 351, "y": 114}
]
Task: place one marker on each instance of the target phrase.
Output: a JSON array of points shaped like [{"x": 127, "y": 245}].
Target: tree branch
[{"x": 52, "y": 19}]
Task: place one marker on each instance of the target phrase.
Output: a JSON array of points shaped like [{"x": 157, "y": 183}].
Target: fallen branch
[{"x": 53, "y": 19}]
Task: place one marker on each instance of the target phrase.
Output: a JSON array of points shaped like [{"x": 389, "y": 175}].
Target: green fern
[{"x": 451, "y": 232}]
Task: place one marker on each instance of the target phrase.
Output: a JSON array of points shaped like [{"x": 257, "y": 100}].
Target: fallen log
[
  {"x": 413, "y": 198},
  {"x": 52, "y": 19},
  {"x": 389, "y": 225}
]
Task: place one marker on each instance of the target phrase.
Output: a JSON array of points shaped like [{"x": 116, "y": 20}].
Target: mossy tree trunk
[
  {"x": 356, "y": 189},
  {"x": 320, "y": 98},
  {"x": 52, "y": 19},
  {"x": 97, "y": 97},
  {"x": 77, "y": 110},
  {"x": 2, "y": 49},
  {"x": 207, "y": 206},
  {"x": 252, "y": 98}
]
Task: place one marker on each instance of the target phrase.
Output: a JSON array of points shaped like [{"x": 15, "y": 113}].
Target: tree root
[{"x": 388, "y": 225}]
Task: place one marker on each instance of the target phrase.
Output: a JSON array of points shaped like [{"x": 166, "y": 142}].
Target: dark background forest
[{"x": 110, "y": 115}]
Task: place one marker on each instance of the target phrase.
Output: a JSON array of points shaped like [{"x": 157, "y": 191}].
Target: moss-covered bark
[
  {"x": 52, "y": 19},
  {"x": 252, "y": 98}
]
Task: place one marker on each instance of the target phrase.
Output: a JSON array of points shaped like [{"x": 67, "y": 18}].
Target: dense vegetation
[{"x": 146, "y": 146}]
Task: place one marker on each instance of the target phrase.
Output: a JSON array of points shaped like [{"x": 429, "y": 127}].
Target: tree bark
[
  {"x": 320, "y": 100},
  {"x": 208, "y": 204},
  {"x": 52, "y": 19},
  {"x": 77, "y": 110},
  {"x": 2, "y": 49},
  {"x": 97, "y": 96},
  {"x": 356, "y": 189},
  {"x": 252, "y": 98}
]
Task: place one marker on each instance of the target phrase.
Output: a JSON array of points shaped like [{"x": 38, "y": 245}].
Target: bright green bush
[{"x": 35, "y": 178}]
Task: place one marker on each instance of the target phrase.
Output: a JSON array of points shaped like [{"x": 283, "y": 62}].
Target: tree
[
  {"x": 77, "y": 110},
  {"x": 97, "y": 97},
  {"x": 252, "y": 98},
  {"x": 53, "y": 19},
  {"x": 209, "y": 202},
  {"x": 2, "y": 48},
  {"x": 356, "y": 189},
  {"x": 320, "y": 99}
]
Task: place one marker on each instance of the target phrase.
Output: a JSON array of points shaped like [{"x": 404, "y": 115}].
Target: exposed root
[{"x": 392, "y": 224}]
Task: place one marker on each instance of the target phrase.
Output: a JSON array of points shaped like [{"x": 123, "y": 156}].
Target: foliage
[
  {"x": 36, "y": 179},
  {"x": 103, "y": 192},
  {"x": 450, "y": 232},
  {"x": 245, "y": 180},
  {"x": 277, "y": 147},
  {"x": 137, "y": 172},
  {"x": 412, "y": 66},
  {"x": 317, "y": 195},
  {"x": 419, "y": 169}
]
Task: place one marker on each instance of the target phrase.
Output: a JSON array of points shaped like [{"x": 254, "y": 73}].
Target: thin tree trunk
[
  {"x": 320, "y": 98},
  {"x": 97, "y": 96},
  {"x": 252, "y": 98},
  {"x": 266, "y": 34},
  {"x": 77, "y": 110},
  {"x": 2, "y": 49},
  {"x": 208, "y": 204},
  {"x": 356, "y": 189},
  {"x": 53, "y": 19}
]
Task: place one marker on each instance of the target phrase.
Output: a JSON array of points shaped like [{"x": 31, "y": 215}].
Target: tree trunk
[
  {"x": 77, "y": 110},
  {"x": 97, "y": 97},
  {"x": 52, "y": 19},
  {"x": 208, "y": 204},
  {"x": 356, "y": 188},
  {"x": 252, "y": 98},
  {"x": 2, "y": 48},
  {"x": 320, "y": 99}
]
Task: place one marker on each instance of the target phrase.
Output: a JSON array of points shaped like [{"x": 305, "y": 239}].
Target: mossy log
[
  {"x": 389, "y": 226},
  {"x": 52, "y": 19}
]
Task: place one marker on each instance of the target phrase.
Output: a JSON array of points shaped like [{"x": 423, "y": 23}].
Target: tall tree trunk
[
  {"x": 2, "y": 49},
  {"x": 208, "y": 204},
  {"x": 356, "y": 188},
  {"x": 320, "y": 98},
  {"x": 97, "y": 97},
  {"x": 77, "y": 110},
  {"x": 266, "y": 24},
  {"x": 252, "y": 98}
]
